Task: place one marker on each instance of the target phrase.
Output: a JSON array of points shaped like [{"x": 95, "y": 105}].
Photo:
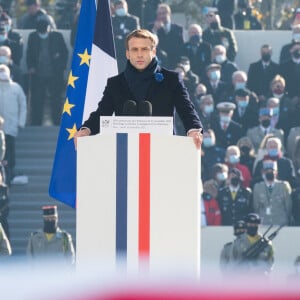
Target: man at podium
[{"x": 144, "y": 89}]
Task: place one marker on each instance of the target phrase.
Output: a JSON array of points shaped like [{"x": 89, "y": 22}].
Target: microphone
[
  {"x": 145, "y": 109},
  {"x": 130, "y": 108}
]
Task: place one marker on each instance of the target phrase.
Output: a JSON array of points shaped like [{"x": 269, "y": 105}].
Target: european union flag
[{"x": 93, "y": 48}]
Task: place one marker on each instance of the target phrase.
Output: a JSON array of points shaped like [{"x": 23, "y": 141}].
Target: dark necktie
[{"x": 270, "y": 188}]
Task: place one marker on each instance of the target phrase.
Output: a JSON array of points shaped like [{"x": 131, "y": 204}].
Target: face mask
[
  {"x": 278, "y": 91},
  {"x": 265, "y": 123},
  {"x": 4, "y": 60},
  {"x": 208, "y": 109},
  {"x": 235, "y": 181},
  {"x": 245, "y": 150},
  {"x": 221, "y": 176},
  {"x": 252, "y": 230},
  {"x": 43, "y": 35},
  {"x": 296, "y": 36},
  {"x": 243, "y": 103},
  {"x": 266, "y": 57},
  {"x": 233, "y": 159},
  {"x": 215, "y": 75},
  {"x": 195, "y": 39},
  {"x": 275, "y": 111},
  {"x": 220, "y": 59},
  {"x": 225, "y": 119},
  {"x": 208, "y": 142},
  {"x": 50, "y": 226},
  {"x": 273, "y": 152},
  {"x": 214, "y": 25},
  {"x": 2, "y": 38},
  {"x": 239, "y": 85},
  {"x": 269, "y": 176},
  {"x": 4, "y": 76},
  {"x": 186, "y": 67},
  {"x": 206, "y": 196},
  {"x": 296, "y": 54},
  {"x": 121, "y": 12}
]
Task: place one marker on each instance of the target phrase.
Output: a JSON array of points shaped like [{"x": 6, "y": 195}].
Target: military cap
[
  {"x": 265, "y": 111},
  {"x": 252, "y": 218},
  {"x": 226, "y": 106},
  {"x": 213, "y": 66},
  {"x": 49, "y": 211},
  {"x": 236, "y": 172},
  {"x": 239, "y": 225}
]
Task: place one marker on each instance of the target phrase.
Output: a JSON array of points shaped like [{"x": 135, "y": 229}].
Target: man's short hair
[{"x": 142, "y": 34}]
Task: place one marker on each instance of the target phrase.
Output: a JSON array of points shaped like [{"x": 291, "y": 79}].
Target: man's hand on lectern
[
  {"x": 84, "y": 131},
  {"x": 197, "y": 137}
]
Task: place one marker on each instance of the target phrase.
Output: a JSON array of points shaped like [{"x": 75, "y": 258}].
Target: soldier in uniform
[
  {"x": 238, "y": 229},
  {"x": 261, "y": 265},
  {"x": 5, "y": 249},
  {"x": 51, "y": 242}
]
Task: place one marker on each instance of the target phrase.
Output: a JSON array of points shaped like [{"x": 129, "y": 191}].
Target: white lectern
[{"x": 138, "y": 200}]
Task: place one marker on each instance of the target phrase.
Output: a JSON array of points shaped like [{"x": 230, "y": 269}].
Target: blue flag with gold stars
[{"x": 93, "y": 52}]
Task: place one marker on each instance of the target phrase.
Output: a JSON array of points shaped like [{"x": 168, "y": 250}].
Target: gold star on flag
[
  {"x": 71, "y": 80},
  {"x": 85, "y": 58},
  {"x": 71, "y": 131},
  {"x": 67, "y": 107}
]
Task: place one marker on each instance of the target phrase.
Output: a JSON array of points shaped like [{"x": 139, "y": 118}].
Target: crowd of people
[{"x": 251, "y": 141}]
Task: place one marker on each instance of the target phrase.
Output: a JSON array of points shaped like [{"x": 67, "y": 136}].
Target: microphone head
[
  {"x": 130, "y": 108},
  {"x": 145, "y": 108}
]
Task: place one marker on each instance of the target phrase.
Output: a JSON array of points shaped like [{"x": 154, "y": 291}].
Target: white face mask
[
  {"x": 296, "y": 36},
  {"x": 4, "y": 60},
  {"x": 2, "y": 38},
  {"x": 4, "y": 76},
  {"x": 220, "y": 59},
  {"x": 121, "y": 12}
]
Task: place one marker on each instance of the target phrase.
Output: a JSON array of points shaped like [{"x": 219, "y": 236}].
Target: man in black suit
[
  {"x": 47, "y": 57},
  {"x": 262, "y": 72},
  {"x": 170, "y": 35},
  {"x": 123, "y": 23},
  {"x": 143, "y": 79}
]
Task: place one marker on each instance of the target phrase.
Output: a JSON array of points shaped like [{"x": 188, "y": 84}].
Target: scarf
[{"x": 139, "y": 81}]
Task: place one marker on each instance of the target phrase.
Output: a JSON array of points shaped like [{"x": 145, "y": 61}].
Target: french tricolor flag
[{"x": 138, "y": 200}]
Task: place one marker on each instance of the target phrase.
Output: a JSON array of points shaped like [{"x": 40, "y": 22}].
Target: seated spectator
[
  {"x": 123, "y": 23},
  {"x": 215, "y": 34},
  {"x": 239, "y": 81},
  {"x": 285, "y": 52},
  {"x": 211, "y": 154},
  {"x": 215, "y": 86},
  {"x": 257, "y": 133},
  {"x": 225, "y": 9},
  {"x": 227, "y": 131},
  {"x": 291, "y": 141},
  {"x": 227, "y": 67},
  {"x": 272, "y": 196},
  {"x": 34, "y": 12},
  {"x": 234, "y": 200},
  {"x": 219, "y": 175},
  {"x": 198, "y": 52},
  {"x": 285, "y": 167},
  {"x": 290, "y": 71},
  {"x": 296, "y": 206},
  {"x": 14, "y": 36},
  {"x": 246, "y": 113},
  {"x": 200, "y": 90},
  {"x": 244, "y": 18},
  {"x": 296, "y": 159},
  {"x": 247, "y": 157},
  {"x": 170, "y": 35},
  {"x": 295, "y": 112},
  {"x": 205, "y": 110},
  {"x": 261, "y": 73},
  {"x": 232, "y": 160},
  {"x": 191, "y": 79},
  {"x": 212, "y": 212}
]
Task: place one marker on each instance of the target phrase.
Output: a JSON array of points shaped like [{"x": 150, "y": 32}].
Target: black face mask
[
  {"x": 270, "y": 176},
  {"x": 252, "y": 230},
  {"x": 235, "y": 181},
  {"x": 214, "y": 25},
  {"x": 50, "y": 226},
  {"x": 245, "y": 150},
  {"x": 265, "y": 123},
  {"x": 296, "y": 54},
  {"x": 266, "y": 57}
]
